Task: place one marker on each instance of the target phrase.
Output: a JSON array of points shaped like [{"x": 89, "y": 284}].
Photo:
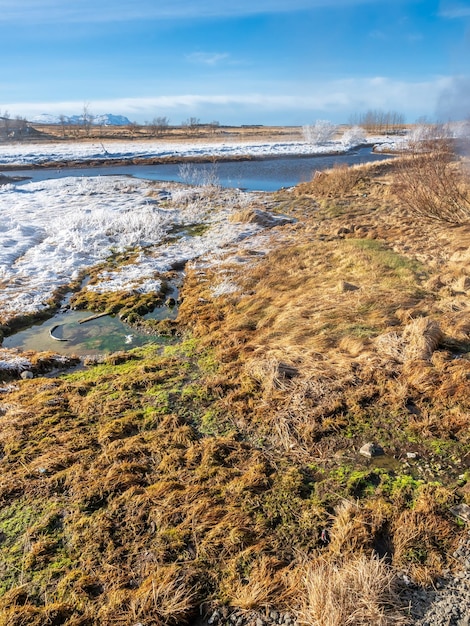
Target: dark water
[{"x": 259, "y": 175}]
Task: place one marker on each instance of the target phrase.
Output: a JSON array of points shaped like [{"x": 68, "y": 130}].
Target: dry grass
[
  {"x": 339, "y": 181},
  {"x": 265, "y": 585},
  {"x": 354, "y": 592},
  {"x": 172, "y": 133}
]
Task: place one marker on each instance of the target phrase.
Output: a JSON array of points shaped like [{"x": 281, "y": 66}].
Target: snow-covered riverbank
[
  {"x": 52, "y": 230},
  {"x": 21, "y": 155}
]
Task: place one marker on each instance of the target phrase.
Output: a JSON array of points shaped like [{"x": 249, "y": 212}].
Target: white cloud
[
  {"x": 207, "y": 58},
  {"x": 115, "y": 10},
  {"x": 336, "y": 98}
]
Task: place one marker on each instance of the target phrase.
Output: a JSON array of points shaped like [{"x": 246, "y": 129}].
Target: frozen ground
[
  {"x": 37, "y": 154},
  {"x": 51, "y": 231}
]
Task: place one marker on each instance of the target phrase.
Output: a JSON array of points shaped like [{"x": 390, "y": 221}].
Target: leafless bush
[
  {"x": 431, "y": 182},
  {"x": 320, "y": 132}
]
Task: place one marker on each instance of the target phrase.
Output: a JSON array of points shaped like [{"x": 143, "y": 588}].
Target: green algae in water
[{"x": 97, "y": 336}]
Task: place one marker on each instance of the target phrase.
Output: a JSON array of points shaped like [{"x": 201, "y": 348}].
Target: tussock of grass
[
  {"x": 358, "y": 592},
  {"x": 338, "y": 181}
]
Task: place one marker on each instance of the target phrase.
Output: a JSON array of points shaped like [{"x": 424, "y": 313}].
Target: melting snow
[{"x": 51, "y": 231}]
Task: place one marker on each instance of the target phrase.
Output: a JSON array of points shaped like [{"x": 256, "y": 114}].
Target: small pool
[{"x": 73, "y": 336}]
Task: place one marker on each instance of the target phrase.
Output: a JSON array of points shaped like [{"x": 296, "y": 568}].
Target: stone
[
  {"x": 371, "y": 449},
  {"x": 411, "y": 455},
  {"x": 462, "y": 511},
  {"x": 26, "y": 375},
  {"x": 345, "y": 286}
]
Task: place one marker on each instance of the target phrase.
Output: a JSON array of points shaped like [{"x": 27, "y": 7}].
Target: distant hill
[{"x": 107, "y": 119}]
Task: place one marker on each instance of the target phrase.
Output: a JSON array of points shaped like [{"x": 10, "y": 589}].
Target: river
[{"x": 267, "y": 174}]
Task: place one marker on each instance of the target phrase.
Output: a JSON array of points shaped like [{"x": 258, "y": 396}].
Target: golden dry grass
[{"x": 354, "y": 592}]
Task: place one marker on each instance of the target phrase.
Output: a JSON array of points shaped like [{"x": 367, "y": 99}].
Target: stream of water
[{"x": 267, "y": 174}]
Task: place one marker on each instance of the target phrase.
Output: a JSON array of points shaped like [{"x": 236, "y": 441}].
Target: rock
[
  {"x": 371, "y": 449},
  {"x": 26, "y": 375},
  {"x": 462, "y": 511},
  {"x": 345, "y": 286},
  {"x": 411, "y": 455}
]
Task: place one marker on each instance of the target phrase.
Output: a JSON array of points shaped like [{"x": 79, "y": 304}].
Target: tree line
[{"x": 377, "y": 121}]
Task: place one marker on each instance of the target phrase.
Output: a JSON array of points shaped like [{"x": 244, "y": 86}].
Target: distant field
[{"x": 172, "y": 133}]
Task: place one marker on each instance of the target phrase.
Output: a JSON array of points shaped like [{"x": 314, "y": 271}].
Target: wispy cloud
[
  {"x": 453, "y": 10},
  {"x": 54, "y": 11},
  {"x": 207, "y": 58},
  {"x": 378, "y": 34},
  {"x": 334, "y": 99}
]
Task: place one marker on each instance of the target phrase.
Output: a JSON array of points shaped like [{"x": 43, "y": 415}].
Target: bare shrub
[
  {"x": 353, "y": 136},
  {"x": 356, "y": 592},
  {"x": 430, "y": 182},
  {"x": 320, "y": 132}
]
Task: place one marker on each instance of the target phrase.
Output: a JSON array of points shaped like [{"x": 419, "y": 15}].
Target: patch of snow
[
  {"x": 11, "y": 362},
  {"x": 225, "y": 287}
]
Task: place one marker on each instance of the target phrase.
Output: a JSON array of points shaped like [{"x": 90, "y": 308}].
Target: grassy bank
[{"x": 225, "y": 469}]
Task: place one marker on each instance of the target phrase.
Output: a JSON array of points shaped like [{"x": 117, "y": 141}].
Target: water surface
[
  {"x": 98, "y": 336},
  {"x": 268, "y": 174}
]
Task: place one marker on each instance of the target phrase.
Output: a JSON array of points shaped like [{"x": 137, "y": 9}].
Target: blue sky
[{"x": 237, "y": 61}]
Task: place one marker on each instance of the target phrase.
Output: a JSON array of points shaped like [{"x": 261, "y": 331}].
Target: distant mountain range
[{"x": 108, "y": 119}]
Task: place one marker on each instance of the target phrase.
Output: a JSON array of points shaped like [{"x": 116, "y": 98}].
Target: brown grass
[
  {"x": 339, "y": 181},
  {"x": 354, "y": 592}
]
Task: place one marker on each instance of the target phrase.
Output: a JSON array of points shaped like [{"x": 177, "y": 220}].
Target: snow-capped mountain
[{"x": 107, "y": 119}]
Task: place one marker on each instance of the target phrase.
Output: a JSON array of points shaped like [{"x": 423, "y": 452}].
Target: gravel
[{"x": 448, "y": 604}]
